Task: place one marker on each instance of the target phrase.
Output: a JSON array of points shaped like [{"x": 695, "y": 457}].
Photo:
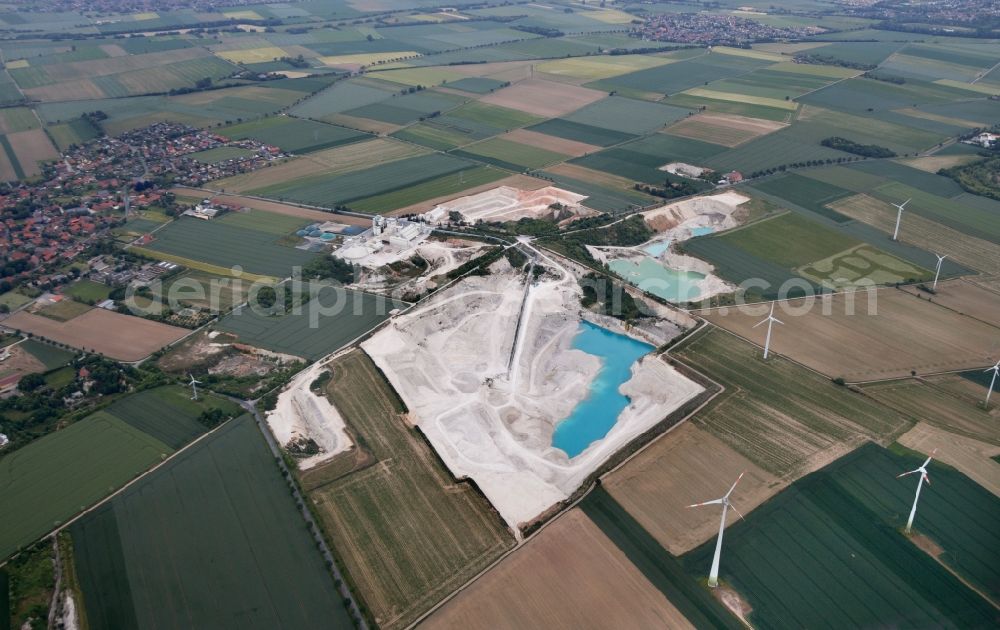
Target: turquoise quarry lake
[
  {"x": 594, "y": 416},
  {"x": 651, "y": 276}
]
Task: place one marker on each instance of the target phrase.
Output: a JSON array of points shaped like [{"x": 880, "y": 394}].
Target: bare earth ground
[
  {"x": 524, "y": 182},
  {"x": 725, "y": 129},
  {"x": 966, "y": 298},
  {"x": 273, "y": 206},
  {"x": 31, "y": 147},
  {"x": 569, "y": 576},
  {"x": 364, "y": 124},
  {"x": 572, "y": 148},
  {"x": 969, "y": 456},
  {"x": 499, "y": 70},
  {"x": 907, "y": 333},
  {"x": 543, "y": 98},
  {"x": 118, "y": 336},
  {"x": 971, "y": 252},
  {"x": 934, "y": 163},
  {"x": 19, "y": 361},
  {"x": 685, "y": 466}
]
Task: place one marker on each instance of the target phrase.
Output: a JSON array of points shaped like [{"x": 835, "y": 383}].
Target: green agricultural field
[
  {"x": 828, "y": 551},
  {"x": 333, "y": 318},
  {"x": 981, "y": 220},
  {"x": 168, "y": 414},
  {"x": 51, "y": 479},
  {"x": 861, "y": 95},
  {"x": 221, "y": 154},
  {"x": 511, "y": 155},
  {"x": 343, "y": 96},
  {"x": 497, "y": 117},
  {"x": 223, "y": 245},
  {"x": 50, "y": 356},
  {"x": 64, "y": 310},
  {"x": 88, "y": 291},
  {"x": 680, "y": 76},
  {"x": 602, "y": 198},
  {"x": 451, "y": 184},
  {"x": 345, "y": 188},
  {"x": 476, "y": 85},
  {"x": 212, "y": 515},
  {"x": 401, "y": 110},
  {"x": 263, "y": 221},
  {"x": 780, "y": 415},
  {"x": 387, "y": 521},
  {"x": 437, "y": 135},
  {"x": 194, "y": 287},
  {"x": 692, "y": 102},
  {"x": 809, "y": 193},
  {"x": 581, "y": 132},
  {"x": 640, "y": 160},
  {"x": 13, "y": 300},
  {"x": 295, "y": 135},
  {"x": 772, "y": 151},
  {"x": 627, "y": 115}
]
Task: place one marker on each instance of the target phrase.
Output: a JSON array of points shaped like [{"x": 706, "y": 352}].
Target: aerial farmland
[{"x": 365, "y": 314}]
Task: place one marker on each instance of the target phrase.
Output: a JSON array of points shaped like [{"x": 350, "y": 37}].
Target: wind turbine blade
[
  {"x": 927, "y": 479},
  {"x": 907, "y": 473},
  {"x": 905, "y": 202},
  {"x": 933, "y": 453},
  {"x": 764, "y": 321},
  {"x": 777, "y": 321},
  {"x": 737, "y": 511},
  {"x": 734, "y": 484},
  {"x": 713, "y": 502}
]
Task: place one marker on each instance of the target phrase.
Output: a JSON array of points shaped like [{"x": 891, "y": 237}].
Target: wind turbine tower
[
  {"x": 923, "y": 477},
  {"x": 713, "y": 576},
  {"x": 937, "y": 272},
  {"x": 770, "y": 319},
  {"x": 194, "y": 387},
  {"x": 993, "y": 381},
  {"x": 899, "y": 216}
]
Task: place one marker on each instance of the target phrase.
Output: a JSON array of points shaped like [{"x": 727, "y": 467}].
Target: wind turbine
[
  {"x": 995, "y": 369},
  {"x": 937, "y": 272},
  {"x": 770, "y": 319},
  {"x": 713, "y": 576},
  {"x": 923, "y": 477},
  {"x": 899, "y": 216},
  {"x": 194, "y": 387}
]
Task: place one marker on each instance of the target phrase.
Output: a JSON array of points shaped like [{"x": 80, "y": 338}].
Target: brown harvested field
[
  {"x": 966, "y": 298},
  {"x": 524, "y": 182},
  {"x": 342, "y": 159},
  {"x": 590, "y": 175},
  {"x": 971, "y": 457},
  {"x": 969, "y": 251},
  {"x": 889, "y": 334},
  {"x": 113, "y": 50},
  {"x": 726, "y": 129},
  {"x": 934, "y": 163},
  {"x": 572, "y": 148},
  {"x": 543, "y": 98},
  {"x": 31, "y": 147},
  {"x": 270, "y": 206},
  {"x": 569, "y": 576},
  {"x": 948, "y": 401},
  {"x": 79, "y": 90},
  {"x": 687, "y": 465},
  {"x": 117, "y": 336},
  {"x": 499, "y": 70}
]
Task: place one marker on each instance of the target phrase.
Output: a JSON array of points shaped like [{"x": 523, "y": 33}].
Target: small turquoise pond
[
  {"x": 656, "y": 249},
  {"x": 651, "y": 276},
  {"x": 594, "y": 416},
  {"x": 702, "y": 231}
]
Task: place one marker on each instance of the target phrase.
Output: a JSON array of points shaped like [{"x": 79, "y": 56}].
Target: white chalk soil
[
  {"x": 491, "y": 418},
  {"x": 301, "y": 414},
  {"x": 675, "y": 223}
]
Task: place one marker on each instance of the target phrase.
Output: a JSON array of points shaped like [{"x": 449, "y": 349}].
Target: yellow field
[
  {"x": 610, "y": 16},
  {"x": 831, "y": 72},
  {"x": 419, "y": 76},
  {"x": 600, "y": 67},
  {"x": 724, "y": 129},
  {"x": 743, "y": 98},
  {"x": 948, "y": 120},
  {"x": 366, "y": 59},
  {"x": 142, "y": 17},
  {"x": 982, "y": 88},
  {"x": 934, "y": 163},
  {"x": 252, "y": 55},
  {"x": 31, "y": 147},
  {"x": 17, "y": 63},
  {"x": 752, "y": 54},
  {"x": 243, "y": 15}
]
